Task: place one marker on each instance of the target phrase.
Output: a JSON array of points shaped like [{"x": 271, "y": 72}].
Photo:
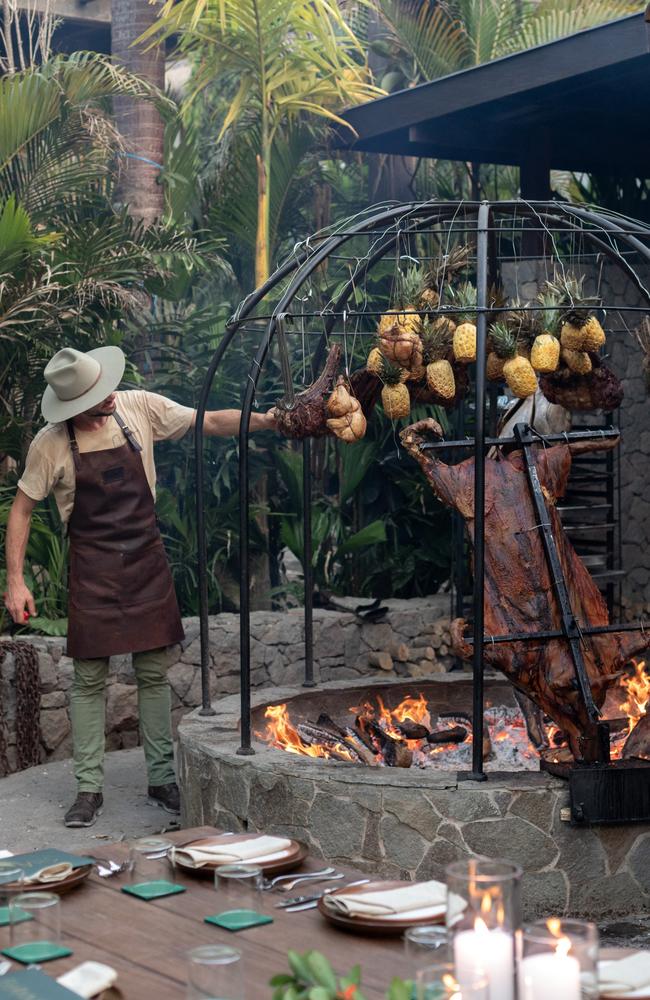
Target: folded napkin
[
  {"x": 228, "y": 853},
  {"x": 51, "y": 873},
  {"x": 88, "y": 979},
  {"x": 625, "y": 975},
  {"x": 420, "y": 895}
]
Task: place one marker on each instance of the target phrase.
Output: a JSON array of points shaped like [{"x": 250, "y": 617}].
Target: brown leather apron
[{"x": 121, "y": 594}]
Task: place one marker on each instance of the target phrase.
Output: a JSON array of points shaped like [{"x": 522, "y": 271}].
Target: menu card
[{"x": 32, "y": 984}]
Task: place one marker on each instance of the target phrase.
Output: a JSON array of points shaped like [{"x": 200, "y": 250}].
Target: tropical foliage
[{"x": 282, "y": 65}]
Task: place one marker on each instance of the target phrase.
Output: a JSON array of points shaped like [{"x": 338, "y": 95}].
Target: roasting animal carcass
[{"x": 519, "y": 595}]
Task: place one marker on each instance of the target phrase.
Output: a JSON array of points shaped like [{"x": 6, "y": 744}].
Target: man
[{"x": 96, "y": 455}]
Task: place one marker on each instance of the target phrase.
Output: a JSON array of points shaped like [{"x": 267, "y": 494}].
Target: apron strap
[
  {"x": 74, "y": 447},
  {"x": 128, "y": 433}
]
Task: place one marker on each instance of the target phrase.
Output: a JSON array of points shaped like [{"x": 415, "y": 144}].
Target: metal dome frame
[{"x": 608, "y": 234}]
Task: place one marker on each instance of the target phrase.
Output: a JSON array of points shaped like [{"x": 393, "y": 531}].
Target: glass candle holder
[
  {"x": 239, "y": 887},
  {"x": 483, "y": 916},
  {"x": 214, "y": 971},
  {"x": 559, "y": 960},
  {"x": 426, "y": 943},
  {"x": 439, "y": 982},
  {"x": 148, "y": 860},
  {"x": 35, "y": 922}
]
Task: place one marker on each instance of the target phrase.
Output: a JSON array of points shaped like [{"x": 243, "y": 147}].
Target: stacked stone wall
[{"x": 411, "y": 641}]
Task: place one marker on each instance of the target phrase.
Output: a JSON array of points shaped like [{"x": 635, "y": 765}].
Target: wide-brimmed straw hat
[{"x": 78, "y": 381}]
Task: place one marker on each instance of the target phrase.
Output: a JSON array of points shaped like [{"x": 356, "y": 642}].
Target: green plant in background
[
  {"x": 311, "y": 977},
  {"x": 71, "y": 268},
  {"x": 46, "y": 567},
  {"x": 284, "y": 64}
]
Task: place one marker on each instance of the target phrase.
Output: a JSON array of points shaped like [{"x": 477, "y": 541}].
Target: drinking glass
[
  {"x": 214, "y": 973},
  {"x": 11, "y": 880},
  {"x": 559, "y": 960},
  {"x": 148, "y": 860},
  {"x": 42, "y": 929},
  {"x": 438, "y": 982},
  {"x": 425, "y": 943},
  {"x": 239, "y": 887},
  {"x": 483, "y": 916}
]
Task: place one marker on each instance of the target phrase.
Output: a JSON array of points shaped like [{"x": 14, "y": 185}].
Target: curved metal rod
[
  {"x": 241, "y": 314},
  {"x": 301, "y": 275}
]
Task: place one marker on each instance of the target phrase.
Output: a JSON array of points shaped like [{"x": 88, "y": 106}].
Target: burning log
[
  {"x": 313, "y": 736},
  {"x": 638, "y": 742},
  {"x": 455, "y": 734},
  {"x": 350, "y": 738},
  {"x": 395, "y": 752},
  {"x": 413, "y": 730},
  {"x": 518, "y": 589}
]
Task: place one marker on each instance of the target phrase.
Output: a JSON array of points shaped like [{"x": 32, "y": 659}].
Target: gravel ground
[{"x": 33, "y": 802}]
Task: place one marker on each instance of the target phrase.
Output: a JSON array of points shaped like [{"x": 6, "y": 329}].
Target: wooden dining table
[{"x": 147, "y": 942}]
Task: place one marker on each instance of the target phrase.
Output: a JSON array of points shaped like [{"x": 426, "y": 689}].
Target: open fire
[{"x": 412, "y": 734}]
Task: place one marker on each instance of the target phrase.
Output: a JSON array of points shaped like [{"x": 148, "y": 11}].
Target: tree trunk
[{"x": 139, "y": 121}]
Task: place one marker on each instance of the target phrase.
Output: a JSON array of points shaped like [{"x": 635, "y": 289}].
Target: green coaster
[
  {"x": 19, "y": 916},
  {"x": 238, "y": 920},
  {"x": 153, "y": 890},
  {"x": 36, "y": 951}
]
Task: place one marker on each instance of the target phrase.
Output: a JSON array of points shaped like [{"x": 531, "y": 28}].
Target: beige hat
[{"x": 78, "y": 381}]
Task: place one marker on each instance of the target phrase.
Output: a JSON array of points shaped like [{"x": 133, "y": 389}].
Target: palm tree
[
  {"x": 71, "y": 268},
  {"x": 286, "y": 63},
  {"x": 139, "y": 122}
]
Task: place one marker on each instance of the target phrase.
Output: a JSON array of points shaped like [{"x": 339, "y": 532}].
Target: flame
[
  {"x": 637, "y": 689},
  {"x": 282, "y": 735},
  {"x": 554, "y": 925},
  {"x": 563, "y": 947}
]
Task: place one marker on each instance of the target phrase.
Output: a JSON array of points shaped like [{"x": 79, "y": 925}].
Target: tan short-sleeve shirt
[{"x": 49, "y": 467}]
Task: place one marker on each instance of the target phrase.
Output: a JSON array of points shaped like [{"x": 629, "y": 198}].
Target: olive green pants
[{"x": 88, "y": 715}]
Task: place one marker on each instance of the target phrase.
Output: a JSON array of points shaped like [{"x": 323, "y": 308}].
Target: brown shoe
[
  {"x": 166, "y": 796},
  {"x": 86, "y": 808}
]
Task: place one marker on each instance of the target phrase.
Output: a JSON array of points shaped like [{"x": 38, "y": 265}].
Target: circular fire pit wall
[{"x": 409, "y": 822}]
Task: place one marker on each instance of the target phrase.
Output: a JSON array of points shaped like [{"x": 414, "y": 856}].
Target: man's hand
[
  {"x": 17, "y": 597},
  {"x": 271, "y": 419}
]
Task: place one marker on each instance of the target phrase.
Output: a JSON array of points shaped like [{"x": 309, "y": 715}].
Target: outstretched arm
[
  {"x": 449, "y": 482},
  {"x": 224, "y": 423}
]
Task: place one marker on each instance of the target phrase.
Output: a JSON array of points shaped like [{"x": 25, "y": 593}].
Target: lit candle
[
  {"x": 552, "y": 976},
  {"x": 489, "y": 953}
]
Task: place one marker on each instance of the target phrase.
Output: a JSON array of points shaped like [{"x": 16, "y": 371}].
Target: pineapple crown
[
  {"x": 463, "y": 299},
  {"x": 437, "y": 337},
  {"x": 410, "y": 284},
  {"x": 446, "y": 265},
  {"x": 504, "y": 340},
  {"x": 567, "y": 290},
  {"x": 391, "y": 374}
]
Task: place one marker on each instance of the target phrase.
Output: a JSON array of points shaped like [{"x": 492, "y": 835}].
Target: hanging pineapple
[
  {"x": 346, "y": 419},
  {"x": 578, "y": 361},
  {"x": 580, "y": 331},
  {"x": 395, "y": 396},
  {"x": 375, "y": 361},
  {"x": 594, "y": 335},
  {"x": 517, "y": 369},
  {"x": 399, "y": 333},
  {"x": 494, "y": 367},
  {"x": 464, "y": 299},
  {"x": 545, "y": 353},
  {"x": 437, "y": 339}
]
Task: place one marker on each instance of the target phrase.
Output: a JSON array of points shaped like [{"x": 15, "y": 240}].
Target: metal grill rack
[{"x": 499, "y": 232}]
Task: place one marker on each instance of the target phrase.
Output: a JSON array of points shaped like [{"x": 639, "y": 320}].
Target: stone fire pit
[{"x": 409, "y": 823}]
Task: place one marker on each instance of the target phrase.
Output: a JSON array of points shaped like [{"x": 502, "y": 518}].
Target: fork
[
  {"x": 315, "y": 878},
  {"x": 271, "y": 883}
]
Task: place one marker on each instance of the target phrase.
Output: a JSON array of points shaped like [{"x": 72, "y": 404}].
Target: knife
[{"x": 309, "y": 902}]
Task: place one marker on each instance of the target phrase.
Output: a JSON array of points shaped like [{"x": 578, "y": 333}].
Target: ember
[{"x": 411, "y": 735}]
